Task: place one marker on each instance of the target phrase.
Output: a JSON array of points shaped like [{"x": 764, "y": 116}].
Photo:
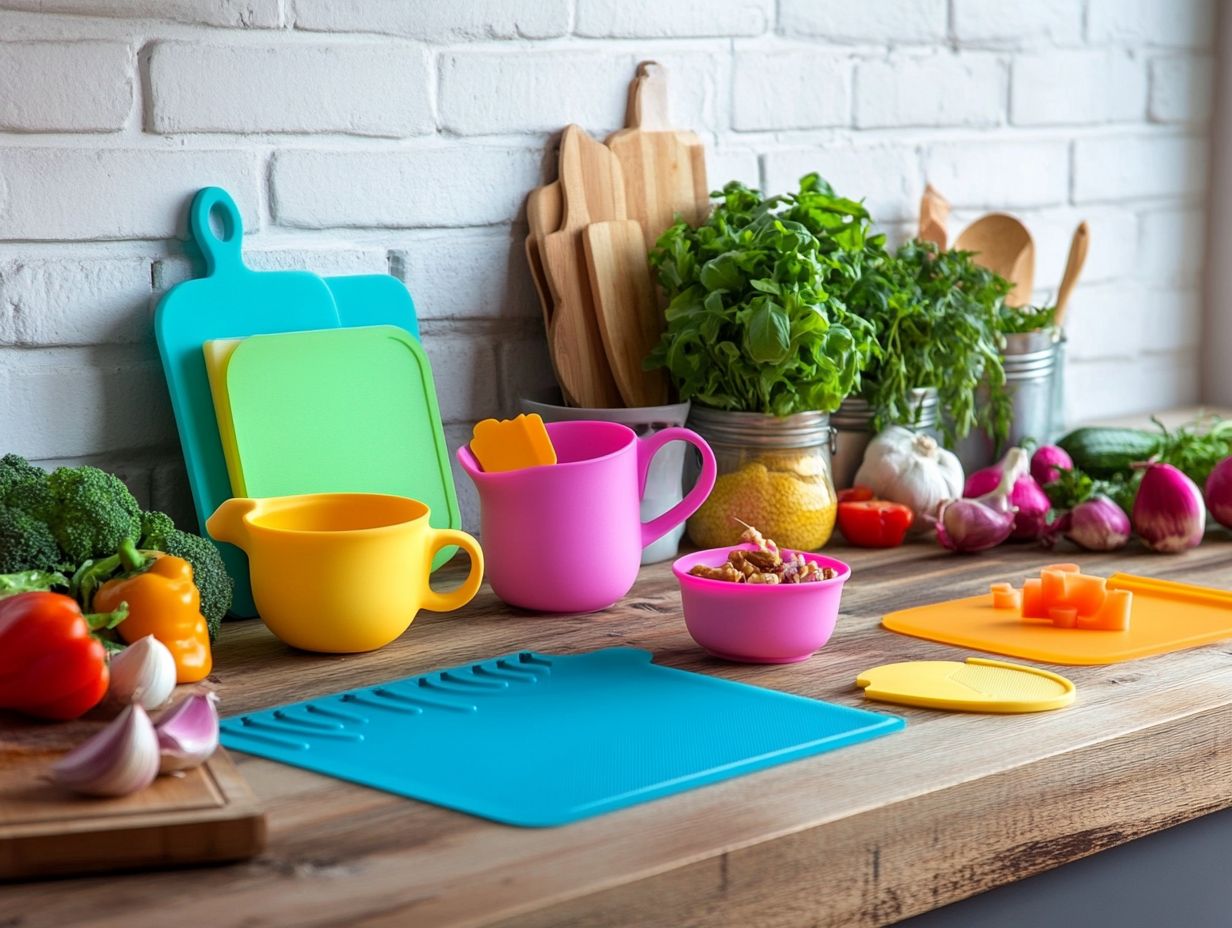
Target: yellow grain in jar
[{"x": 785, "y": 491}]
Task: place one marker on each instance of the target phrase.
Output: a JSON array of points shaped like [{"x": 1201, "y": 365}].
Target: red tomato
[
  {"x": 874, "y": 523},
  {"x": 50, "y": 664},
  {"x": 856, "y": 494}
]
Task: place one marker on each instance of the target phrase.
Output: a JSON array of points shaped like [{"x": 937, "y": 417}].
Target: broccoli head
[
  {"x": 93, "y": 511},
  {"x": 26, "y": 543},
  {"x": 209, "y": 572},
  {"x": 25, "y": 486}
]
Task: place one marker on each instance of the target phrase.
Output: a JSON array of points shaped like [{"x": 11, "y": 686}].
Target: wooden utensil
[
  {"x": 1002, "y": 244},
  {"x": 592, "y": 190},
  {"x": 1073, "y": 267},
  {"x": 543, "y": 216},
  {"x": 664, "y": 168},
  {"x": 208, "y": 814},
  {"x": 630, "y": 321},
  {"x": 934, "y": 213}
]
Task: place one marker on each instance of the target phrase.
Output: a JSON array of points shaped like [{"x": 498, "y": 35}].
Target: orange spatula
[{"x": 512, "y": 444}]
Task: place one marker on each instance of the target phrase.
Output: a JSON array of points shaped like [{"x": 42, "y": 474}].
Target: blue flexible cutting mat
[{"x": 537, "y": 740}]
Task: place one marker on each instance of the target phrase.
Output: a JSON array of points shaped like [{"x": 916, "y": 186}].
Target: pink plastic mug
[{"x": 568, "y": 537}]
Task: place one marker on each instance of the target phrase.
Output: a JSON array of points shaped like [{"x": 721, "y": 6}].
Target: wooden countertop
[{"x": 953, "y": 805}]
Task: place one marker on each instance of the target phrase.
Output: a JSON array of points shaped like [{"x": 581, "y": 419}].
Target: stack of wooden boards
[{"x": 590, "y": 232}]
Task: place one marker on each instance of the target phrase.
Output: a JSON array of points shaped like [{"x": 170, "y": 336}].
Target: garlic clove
[
  {"x": 144, "y": 672},
  {"x": 119, "y": 760},
  {"x": 188, "y": 734}
]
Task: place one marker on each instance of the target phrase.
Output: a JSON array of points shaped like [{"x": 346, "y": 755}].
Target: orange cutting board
[
  {"x": 1166, "y": 616},
  {"x": 207, "y": 815}
]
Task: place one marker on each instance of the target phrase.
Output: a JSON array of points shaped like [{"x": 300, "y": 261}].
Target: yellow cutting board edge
[
  {"x": 218, "y": 352},
  {"x": 978, "y": 684}
]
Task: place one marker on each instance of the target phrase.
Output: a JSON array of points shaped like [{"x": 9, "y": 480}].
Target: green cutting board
[{"x": 349, "y": 410}]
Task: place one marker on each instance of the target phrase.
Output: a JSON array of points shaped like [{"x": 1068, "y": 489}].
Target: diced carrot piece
[
  {"x": 1006, "y": 598},
  {"x": 1054, "y": 586},
  {"x": 1063, "y": 616},
  {"x": 1115, "y": 612},
  {"x": 1085, "y": 593},
  {"x": 1065, "y": 568},
  {"x": 1033, "y": 600}
]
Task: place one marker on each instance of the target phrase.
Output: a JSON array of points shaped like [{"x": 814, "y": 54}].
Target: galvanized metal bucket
[
  {"x": 853, "y": 423},
  {"x": 1033, "y": 380}
]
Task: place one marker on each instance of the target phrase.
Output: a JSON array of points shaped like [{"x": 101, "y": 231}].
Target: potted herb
[
  {"x": 937, "y": 321},
  {"x": 761, "y": 337}
]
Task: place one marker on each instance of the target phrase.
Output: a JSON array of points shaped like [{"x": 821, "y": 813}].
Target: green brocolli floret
[
  {"x": 25, "y": 486},
  {"x": 209, "y": 572},
  {"x": 26, "y": 543},
  {"x": 93, "y": 511}
]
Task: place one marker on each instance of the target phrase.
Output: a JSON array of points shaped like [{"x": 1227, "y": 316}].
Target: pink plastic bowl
[{"x": 759, "y": 624}]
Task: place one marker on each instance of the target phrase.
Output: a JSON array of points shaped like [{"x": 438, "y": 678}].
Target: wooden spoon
[
  {"x": 934, "y": 213},
  {"x": 1002, "y": 244},
  {"x": 1073, "y": 267},
  {"x": 591, "y": 190}
]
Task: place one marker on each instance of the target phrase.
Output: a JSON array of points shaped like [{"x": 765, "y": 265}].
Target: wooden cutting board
[
  {"x": 208, "y": 815},
  {"x": 664, "y": 169},
  {"x": 543, "y": 217},
  {"x": 630, "y": 321},
  {"x": 591, "y": 191}
]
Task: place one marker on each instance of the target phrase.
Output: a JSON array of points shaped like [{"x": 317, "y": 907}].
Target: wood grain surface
[{"x": 954, "y": 805}]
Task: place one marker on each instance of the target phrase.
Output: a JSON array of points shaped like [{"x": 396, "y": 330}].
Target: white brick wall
[{"x": 402, "y": 136}]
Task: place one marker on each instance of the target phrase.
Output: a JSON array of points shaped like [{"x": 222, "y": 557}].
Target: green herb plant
[
  {"x": 936, "y": 318},
  {"x": 761, "y": 296},
  {"x": 1019, "y": 320}
]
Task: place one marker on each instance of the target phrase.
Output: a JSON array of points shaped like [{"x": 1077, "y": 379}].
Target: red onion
[
  {"x": 1219, "y": 492},
  {"x": 1028, "y": 497},
  {"x": 986, "y": 521},
  {"x": 1097, "y": 524},
  {"x": 1169, "y": 514},
  {"x": 1048, "y": 462}
]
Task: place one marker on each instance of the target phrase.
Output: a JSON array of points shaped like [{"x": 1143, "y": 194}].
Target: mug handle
[
  {"x": 454, "y": 599},
  {"x": 646, "y": 449}
]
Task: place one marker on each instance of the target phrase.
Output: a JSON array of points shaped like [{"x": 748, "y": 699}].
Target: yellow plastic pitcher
[{"x": 342, "y": 572}]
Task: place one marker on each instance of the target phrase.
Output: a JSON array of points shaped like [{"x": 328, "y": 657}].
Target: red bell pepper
[
  {"x": 856, "y": 494},
  {"x": 51, "y": 666},
  {"x": 874, "y": 523}
]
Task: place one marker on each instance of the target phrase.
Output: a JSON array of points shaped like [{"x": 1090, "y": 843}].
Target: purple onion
[
  {"x": 1097, "y": 524},
  {"x": 1048, "y": 462},
  {"x": 986, "y": 521},
  {"x": 1169, "y": 514},
  {"x": 1219, "y": 492},
  {"x": 1027, "y": 496}
]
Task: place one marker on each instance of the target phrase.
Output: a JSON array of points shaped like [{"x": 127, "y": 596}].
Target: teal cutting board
[
  {"x": 230, "y": 301},
  {"x": 345, "y": 410},
  {"x": 537, "y": 739},
  {"x": 233, "y": 301}
]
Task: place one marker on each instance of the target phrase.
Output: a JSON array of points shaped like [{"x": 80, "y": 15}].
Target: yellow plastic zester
[
  {"x": 977, "y": 685},
  {"x": 512, "y": 444}
]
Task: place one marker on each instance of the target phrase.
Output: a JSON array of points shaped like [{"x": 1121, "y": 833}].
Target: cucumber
[{"x": 1107, "y": 452}]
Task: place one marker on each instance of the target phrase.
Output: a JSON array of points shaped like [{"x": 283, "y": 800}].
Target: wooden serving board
[{"x": 207, "y": 815}]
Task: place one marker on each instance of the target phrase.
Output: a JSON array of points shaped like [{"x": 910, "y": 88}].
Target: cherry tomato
[
  {"x": 874, "y": 523},
  {"x": 856, "y": 494}
]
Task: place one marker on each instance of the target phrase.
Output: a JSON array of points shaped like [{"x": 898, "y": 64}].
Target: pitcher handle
[
  {"x": 454, "y": 599},
  {"x": 646, "y": 449}
]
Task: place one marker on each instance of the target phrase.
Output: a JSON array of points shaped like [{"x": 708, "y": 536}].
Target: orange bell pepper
[{"x": 164, "y": 602}]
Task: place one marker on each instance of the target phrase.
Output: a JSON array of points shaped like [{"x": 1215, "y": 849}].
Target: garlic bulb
[
  {"x": 188, "y": 734},
  {"x": 910, "y": 468},
  {"x": 144, "y": 672},
  {"x": 120, "y": 759}
]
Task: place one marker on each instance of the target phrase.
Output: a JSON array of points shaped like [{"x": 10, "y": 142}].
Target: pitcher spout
[{"x": 228, "y": 521}]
